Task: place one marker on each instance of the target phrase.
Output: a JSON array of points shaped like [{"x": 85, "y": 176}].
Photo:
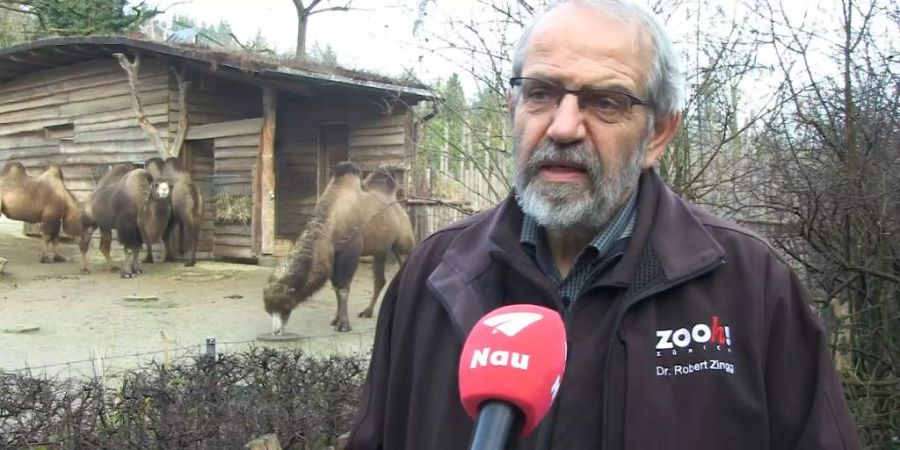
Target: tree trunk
[{"x": 302, "y": 20}]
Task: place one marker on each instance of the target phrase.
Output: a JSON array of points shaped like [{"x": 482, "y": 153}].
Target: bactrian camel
[{"x": 348, "y": 222}]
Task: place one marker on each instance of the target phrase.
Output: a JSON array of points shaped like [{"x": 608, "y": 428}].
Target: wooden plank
[
  {"x": 105, "y": 148},
  {"x": 381, "y": 121},
  {"x": 58, "y": 97},
  {"x": 79, "y": 108},
  {"x": 77, "y": 78},
  {"x": 377, "y": 131},
  {"x": 237, "y": 165},
  {"x": 224, "y": 129},
  {"x": 375, "y": 141},
  {"x": 251, "y": 140},
  {"x": 81, "y": 158},
  {"x": 31, "y": 126},
  {"x": 118, "y": 135},
  {"x": 57, "y": 75},
  {"x": 20, "y": 142},
  {"x": 235, "y": 240},
  {"x": 161, "y": 121},
  {"x": 237, "y": 152},
  {"x": 120, "y": 114}
]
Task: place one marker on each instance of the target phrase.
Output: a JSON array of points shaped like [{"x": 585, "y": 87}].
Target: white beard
[{"x": 563, "y": 206}]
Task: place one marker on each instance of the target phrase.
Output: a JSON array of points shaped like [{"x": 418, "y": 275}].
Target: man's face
[{"x": 573, "y": 168}]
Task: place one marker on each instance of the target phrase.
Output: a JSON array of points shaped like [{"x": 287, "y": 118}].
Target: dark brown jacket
[{"x": 700, "y": 337}]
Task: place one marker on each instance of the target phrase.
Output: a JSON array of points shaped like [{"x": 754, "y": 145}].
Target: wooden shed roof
[{"x": 43, "y": 54}]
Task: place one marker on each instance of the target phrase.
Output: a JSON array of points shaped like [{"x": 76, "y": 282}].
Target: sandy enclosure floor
[{"x": 77, "y": 316}]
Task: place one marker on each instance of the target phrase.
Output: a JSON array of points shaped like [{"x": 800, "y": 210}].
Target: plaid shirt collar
[{"x": 620, "y": 227}]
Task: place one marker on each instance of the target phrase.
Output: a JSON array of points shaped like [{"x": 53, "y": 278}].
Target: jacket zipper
[
  {"x": 615, "y": 335},
  {"x": 545, "y": 430}
]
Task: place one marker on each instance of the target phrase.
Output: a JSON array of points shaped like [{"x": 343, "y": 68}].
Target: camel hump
[
  {"x": 137, "y": 184},
  {"x": 381, "y": 180},
  {"x": 52, "y": 173},
  {"x": 12, "y": 168},
  {"x": 114, "y": 174},
  {"x": 345, "y": 167}
]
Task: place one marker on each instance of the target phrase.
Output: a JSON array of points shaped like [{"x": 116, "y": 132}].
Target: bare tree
[
  {"x": 303, "y": 14},
  {"x": 172, "y": 147},
  {"x": 831, "y": 162}
]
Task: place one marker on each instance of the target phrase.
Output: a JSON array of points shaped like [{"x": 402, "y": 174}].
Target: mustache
[{"x": 550, "y": 153}]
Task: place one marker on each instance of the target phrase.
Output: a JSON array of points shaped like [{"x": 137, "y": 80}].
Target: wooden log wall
[
  {"x": 236, "y": 146},
  {"x": 375, "y": 138},
  {"x": 80, "y": 116},
  {"x": 202, "y": 167},
  {"x": 213, "y": 100}
]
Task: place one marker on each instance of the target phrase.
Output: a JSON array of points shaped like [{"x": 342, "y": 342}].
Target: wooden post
[{"x": 267, "y": 172}]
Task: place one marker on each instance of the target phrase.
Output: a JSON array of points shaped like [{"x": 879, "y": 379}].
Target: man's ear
[{"x": 664, "y": 129}]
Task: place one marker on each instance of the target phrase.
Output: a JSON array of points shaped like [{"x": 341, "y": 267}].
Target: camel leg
[
  {"x": 149, "y": 258},
  {"x": 378, "y": 273},
  {"x": 49, "y": 232},
  {"x": 83, "y": 245},
  {"x": 169, "y": 240},
  {"x": 105, "y": 246},
  {"x": 45, "y": 259},
  {"x": 56, "y": 256},
  {"x": 130, "y": 270},
  {"x": 346, "y": 260},
  {"x": 193, "y": 237},
  {"x": 343, "y": 319}
]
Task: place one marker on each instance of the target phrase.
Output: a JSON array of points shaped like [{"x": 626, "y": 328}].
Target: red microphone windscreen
[{"x": 516, "y": 354}]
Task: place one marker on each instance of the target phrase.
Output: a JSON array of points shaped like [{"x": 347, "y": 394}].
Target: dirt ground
[{"x": 77, "y": 315}]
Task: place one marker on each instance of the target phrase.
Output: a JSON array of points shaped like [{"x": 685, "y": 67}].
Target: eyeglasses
[{"x": 605, "y": 104}]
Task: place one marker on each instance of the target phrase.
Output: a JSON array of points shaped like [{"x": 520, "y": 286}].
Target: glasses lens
[
  {"x": 539, "y": 94},
  {"x": 610, "y": 106}
]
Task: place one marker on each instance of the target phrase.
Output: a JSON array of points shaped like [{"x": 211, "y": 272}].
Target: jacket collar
[{"x": 679, "y": 246}]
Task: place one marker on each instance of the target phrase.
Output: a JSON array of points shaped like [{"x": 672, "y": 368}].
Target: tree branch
[
  {"x": 174, "y": 148},
  {"x": 132, "y": 69}
]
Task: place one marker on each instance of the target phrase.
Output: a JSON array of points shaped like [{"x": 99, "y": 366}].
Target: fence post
[{"x": 211, "y": 348}]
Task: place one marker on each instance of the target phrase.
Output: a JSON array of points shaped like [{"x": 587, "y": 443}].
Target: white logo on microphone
[{"x": 512, "y": 323}]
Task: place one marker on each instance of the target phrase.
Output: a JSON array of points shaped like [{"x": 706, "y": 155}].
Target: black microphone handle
[{"x": 497, "y": 426}]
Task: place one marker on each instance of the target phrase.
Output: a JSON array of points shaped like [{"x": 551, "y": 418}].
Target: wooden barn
[{"x": 259, "y": 136}]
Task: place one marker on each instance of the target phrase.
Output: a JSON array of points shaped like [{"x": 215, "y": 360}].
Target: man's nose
[{"x": 568, "y": 123}]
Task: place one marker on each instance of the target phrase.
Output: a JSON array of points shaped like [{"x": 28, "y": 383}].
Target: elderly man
[{"x": 684, "y": 330}]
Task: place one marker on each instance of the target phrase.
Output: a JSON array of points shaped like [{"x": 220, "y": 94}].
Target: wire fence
[{"x": 104, "y": 366}]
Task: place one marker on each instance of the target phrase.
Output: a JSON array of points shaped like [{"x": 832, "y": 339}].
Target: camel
[
  {"x": 348, "y": 222},
  {"x": 129, "y": 201},
  {"x": 43, "y": 199},
  {"x": 187, "y": 210}
]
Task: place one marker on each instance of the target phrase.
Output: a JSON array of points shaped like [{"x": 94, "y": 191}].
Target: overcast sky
[
  {"x": 375, "y": 37},
  {"x": 378, "y": 35}
]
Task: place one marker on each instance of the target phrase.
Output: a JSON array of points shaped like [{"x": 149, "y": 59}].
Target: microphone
[{"x": 509, "y": 372}]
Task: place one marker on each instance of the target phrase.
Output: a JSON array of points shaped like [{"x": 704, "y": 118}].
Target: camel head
[
  {"x": 279, "y": 300},
  {"x": 154, "y": 166},
  {"x": 160, "y": 190}
]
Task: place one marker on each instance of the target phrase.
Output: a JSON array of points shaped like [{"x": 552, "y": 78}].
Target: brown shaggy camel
[
  {"x": 187, "y": 210},
  {"x": 43, "y": 199},
  {"x": 129, "y": 201},
  {"x": 349, "y": 222}
]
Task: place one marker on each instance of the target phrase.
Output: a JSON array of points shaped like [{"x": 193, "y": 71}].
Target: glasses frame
[{"x": 516, "y": 82}]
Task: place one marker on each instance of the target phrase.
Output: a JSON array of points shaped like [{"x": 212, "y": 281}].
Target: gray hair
[{"x": 665, "y": 85}]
